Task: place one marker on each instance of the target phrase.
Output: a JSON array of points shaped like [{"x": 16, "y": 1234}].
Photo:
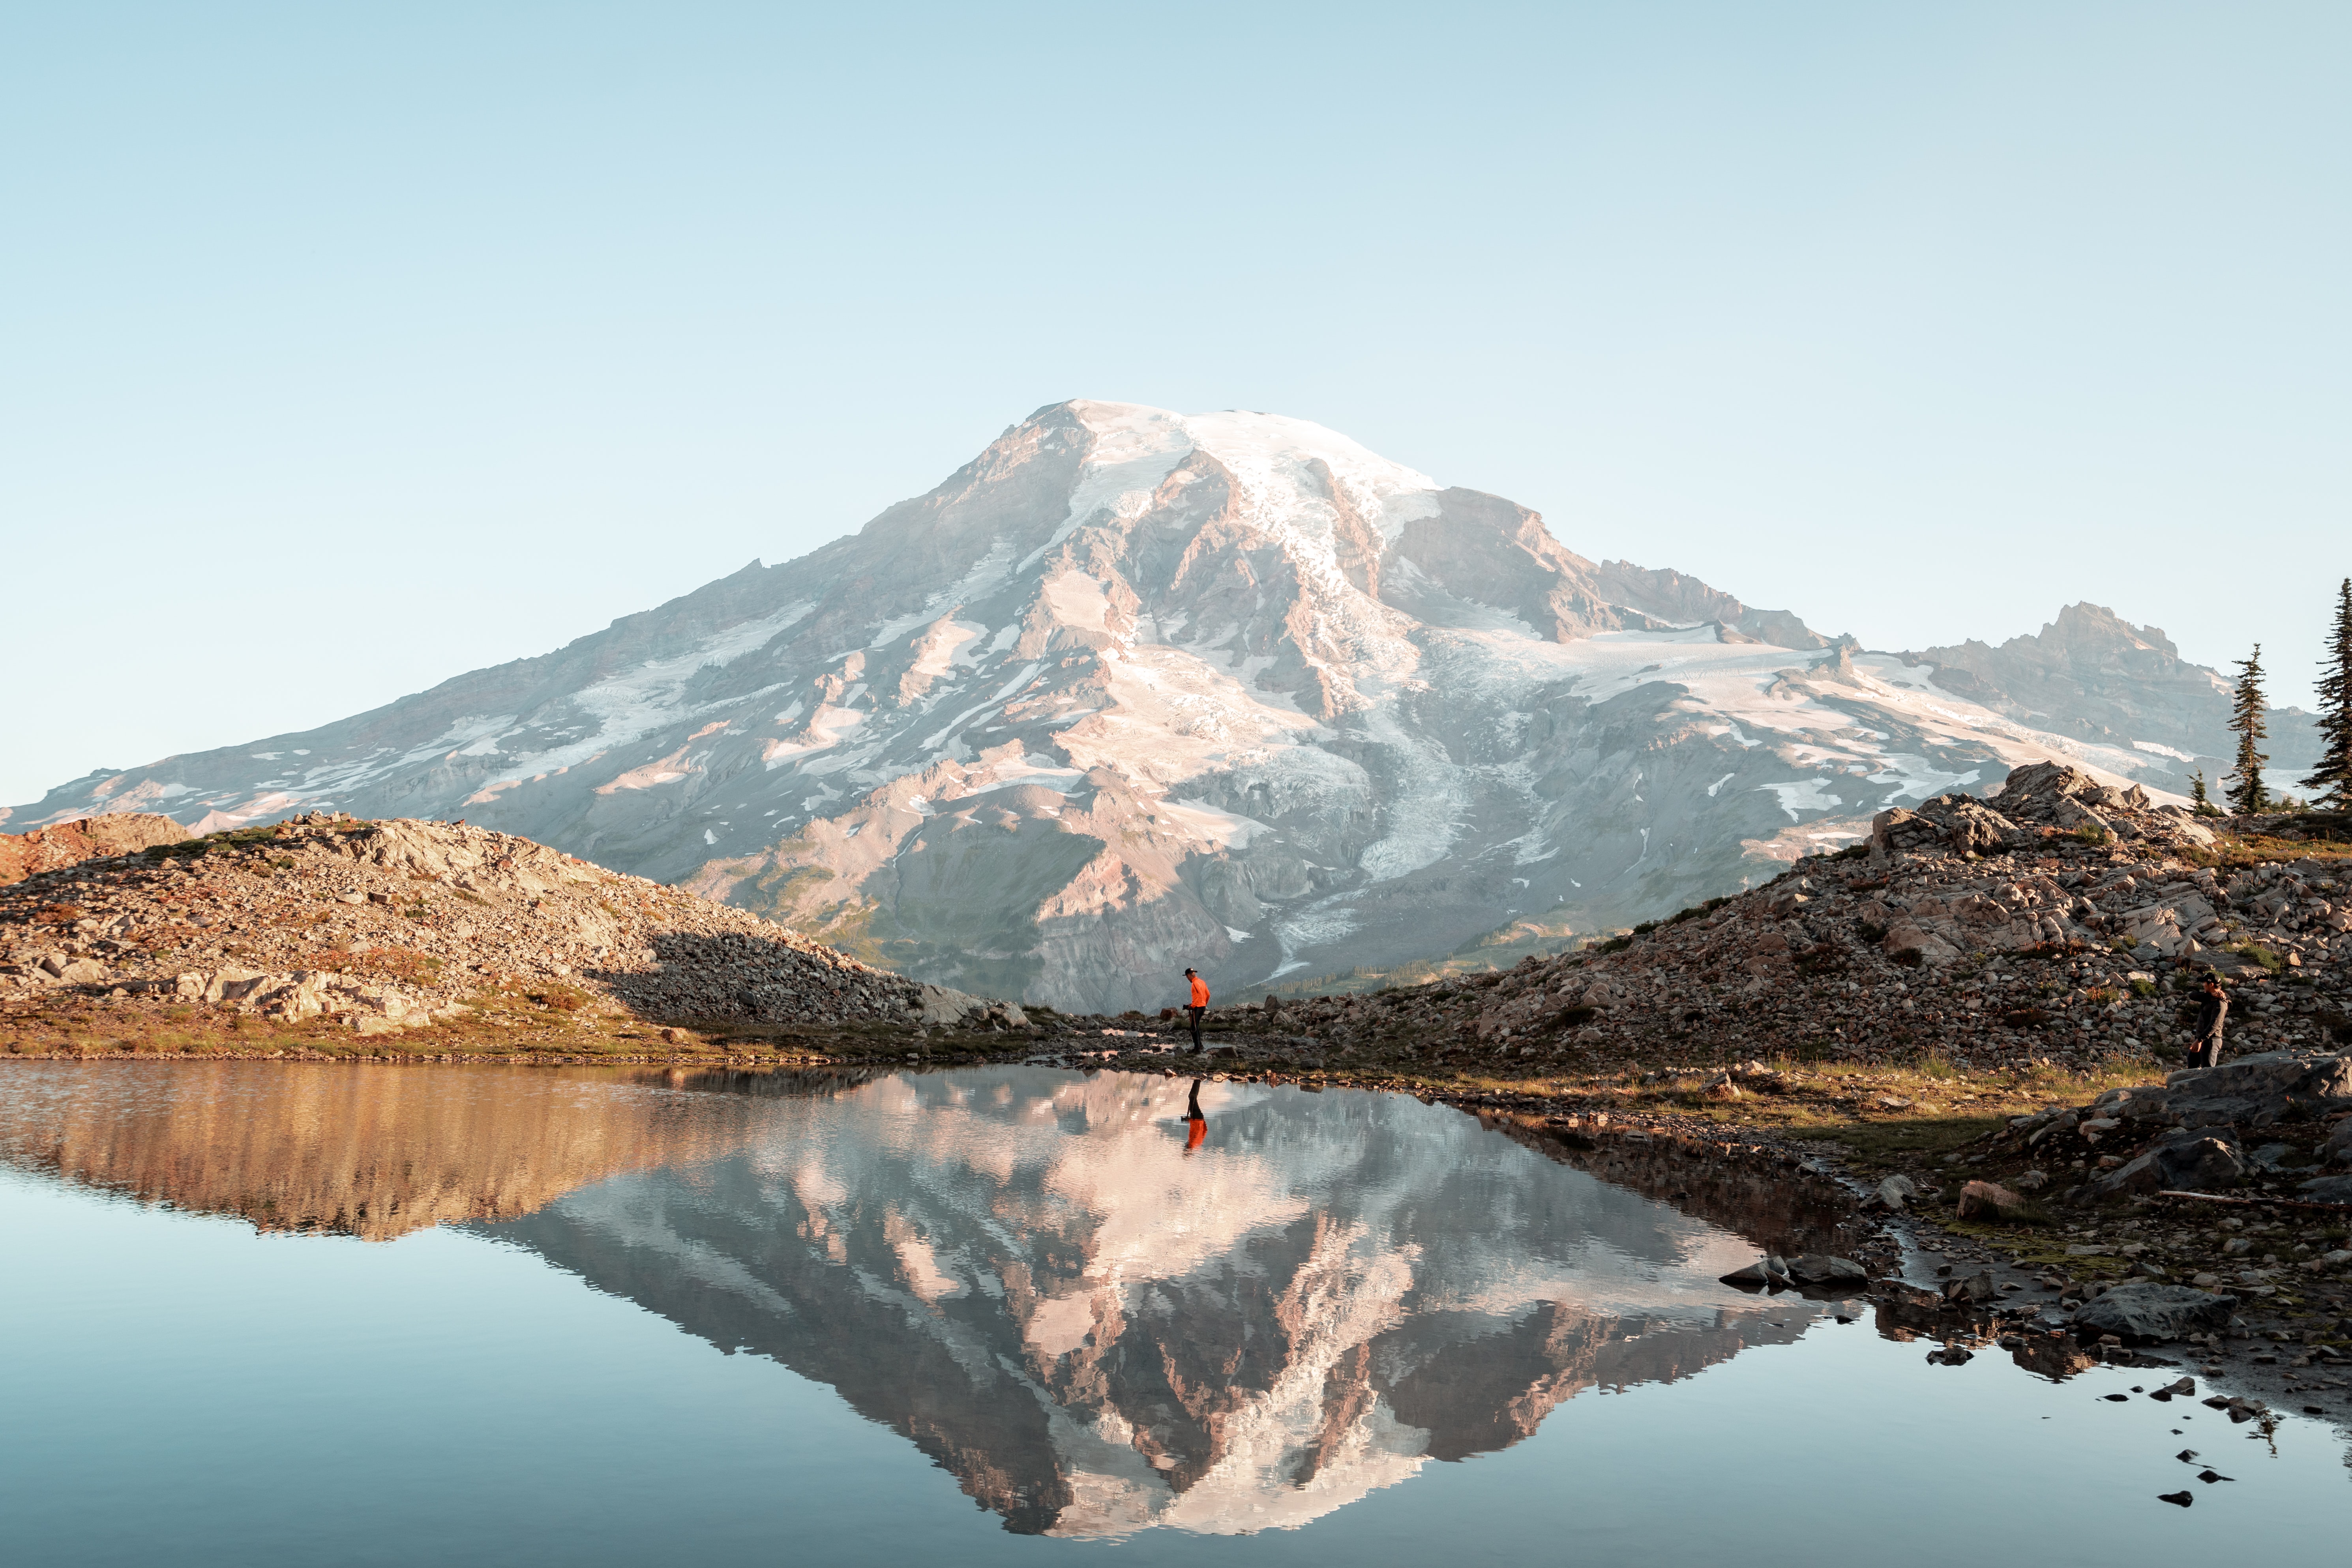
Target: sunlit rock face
[{"x": 1099, "y": 1329}]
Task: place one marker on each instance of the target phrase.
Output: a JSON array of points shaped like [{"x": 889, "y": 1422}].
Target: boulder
[
  {"x": 2145, "y": 1310},
  {"x": 939, "y": 1004},
  {"x": 2327, "y": 1190},
  {"x": 1973, "y": 827},
  {"x": 1895, "y": 830},
  {"x": 2039, "y": 791},
  {"x": 59, "y": 969},
  {"x": 1908, "y": 942},
  {"x": 2142, "y": 1173},
  {"x": 1978, "y": 1287},
  {"x": 1895, "y": 1190},
  {"x": 2199, "y": 1162},
  {"x": 1823, "y": 1272},
  {"x": 2337, "y": 1150},
  {"x": 1991, "y": 1200},
  {"x": 2261, "y": 1090},
  {"x": 1766, "y": 1271}
]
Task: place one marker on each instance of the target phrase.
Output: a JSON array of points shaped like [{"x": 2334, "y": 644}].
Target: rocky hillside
[
  {"x": 386, "y": 926},
  {"x": 24, "y": 854},
  {"x": 1135, "y": 689},
  {"x": 2060, "y": 921}
]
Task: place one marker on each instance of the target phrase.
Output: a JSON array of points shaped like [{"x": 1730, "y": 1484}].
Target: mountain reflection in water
[{"x": 1094, "y": 1327}]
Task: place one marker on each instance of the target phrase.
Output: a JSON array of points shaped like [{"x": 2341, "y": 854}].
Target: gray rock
[
  {"x": 2142, "y": 1173},
  {"x": 1977, "y": 1287},
  {"x": 939, "y": 1004},
  {"x": 2337, "y": 1150},
  {"x": 2261, "y": 1090},
  {"x": 1822, "y": 1271},
  {"x": 1975, "y": 828},
  {"x": 1768, "y": 1271},
  {"x": 2144, "y": 1310},
  {"x": 1895, "y": 1190},
  {"x": 2327, "y": 1190},
  {"x": 2200, "y": 1161},
  {"x": 1907, "y": 941}
]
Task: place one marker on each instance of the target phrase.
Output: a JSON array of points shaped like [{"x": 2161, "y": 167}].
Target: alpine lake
[{"x": 273, "y": 1313}]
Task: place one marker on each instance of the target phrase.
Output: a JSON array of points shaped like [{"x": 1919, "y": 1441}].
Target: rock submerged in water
[
  {"x": 2139, "y": 1310},
  {"x": 1821, "y": 1270},
  {"x": 1769, "y": 1271},
  {"x": 1813, "y": 1271}
]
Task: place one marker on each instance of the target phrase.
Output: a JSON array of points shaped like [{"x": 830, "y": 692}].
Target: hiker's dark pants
[
  {"x": 2207, "y": 1052},
  {"x": 1196, "y": 1013}
]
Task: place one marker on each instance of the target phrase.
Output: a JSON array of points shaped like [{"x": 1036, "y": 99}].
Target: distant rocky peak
[{"x": 2088, "y": 627}]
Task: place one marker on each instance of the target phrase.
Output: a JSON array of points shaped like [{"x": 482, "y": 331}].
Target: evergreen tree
[
  {"x": 2333, "y": 778},
  {"x": 2249, "y": 794},
  {"x": 2199, "y": 801}
]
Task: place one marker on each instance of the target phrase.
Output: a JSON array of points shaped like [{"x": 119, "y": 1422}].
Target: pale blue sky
[{"x": 345, "y": 348}]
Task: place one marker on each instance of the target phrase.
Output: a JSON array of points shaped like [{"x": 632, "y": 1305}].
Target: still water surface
[{"x": 265, "y": 1313}]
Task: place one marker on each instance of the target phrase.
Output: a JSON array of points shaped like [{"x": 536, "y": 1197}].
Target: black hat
[{"x": 1188, "y": 972}]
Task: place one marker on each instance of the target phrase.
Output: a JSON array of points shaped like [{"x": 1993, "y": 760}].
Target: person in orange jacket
[
  {"x": 1199, "y": 1005},
  {"x": 1196, "y": 1125}
]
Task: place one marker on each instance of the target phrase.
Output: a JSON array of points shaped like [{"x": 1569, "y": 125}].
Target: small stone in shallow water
[{"x": 2181, "y": 1500}]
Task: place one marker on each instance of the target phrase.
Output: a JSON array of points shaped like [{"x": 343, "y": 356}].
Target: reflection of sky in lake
[{"x": 1021, "y": 1274}]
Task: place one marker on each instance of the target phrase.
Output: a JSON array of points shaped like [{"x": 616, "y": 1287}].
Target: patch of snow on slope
[
  {"x": 1319, "y": 924},
  {"x": 1918, "y": 778},
  {"x": 986, "y": 573},
  {"x": 637, "y": 702},
  {"x": 1804, "y": 794},
  {"x": 1216, "y": 828},
  {"x": 824, "y": 730},
  {"x": 1135, "y": 449}
]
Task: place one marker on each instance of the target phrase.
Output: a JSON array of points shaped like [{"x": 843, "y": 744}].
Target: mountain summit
[{"x": 1134, "y": 690}]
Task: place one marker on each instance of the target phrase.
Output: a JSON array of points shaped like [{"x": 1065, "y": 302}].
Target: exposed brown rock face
[{"x": 69, "y": 843}]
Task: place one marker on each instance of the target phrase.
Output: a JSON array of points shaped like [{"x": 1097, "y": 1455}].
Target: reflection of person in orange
[
  {"x": 1200, "y": 1004},
  {"x": 1196, "y": 1125}
]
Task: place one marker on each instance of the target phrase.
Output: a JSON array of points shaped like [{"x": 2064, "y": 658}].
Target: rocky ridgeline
[
  {"x": 390, "y": 925},
  {"x": 2054, "y": 923},
  {"x": 24, "y": 854}
]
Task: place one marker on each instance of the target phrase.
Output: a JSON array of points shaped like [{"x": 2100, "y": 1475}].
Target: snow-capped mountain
[{"x": 1135, "y": 689}]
